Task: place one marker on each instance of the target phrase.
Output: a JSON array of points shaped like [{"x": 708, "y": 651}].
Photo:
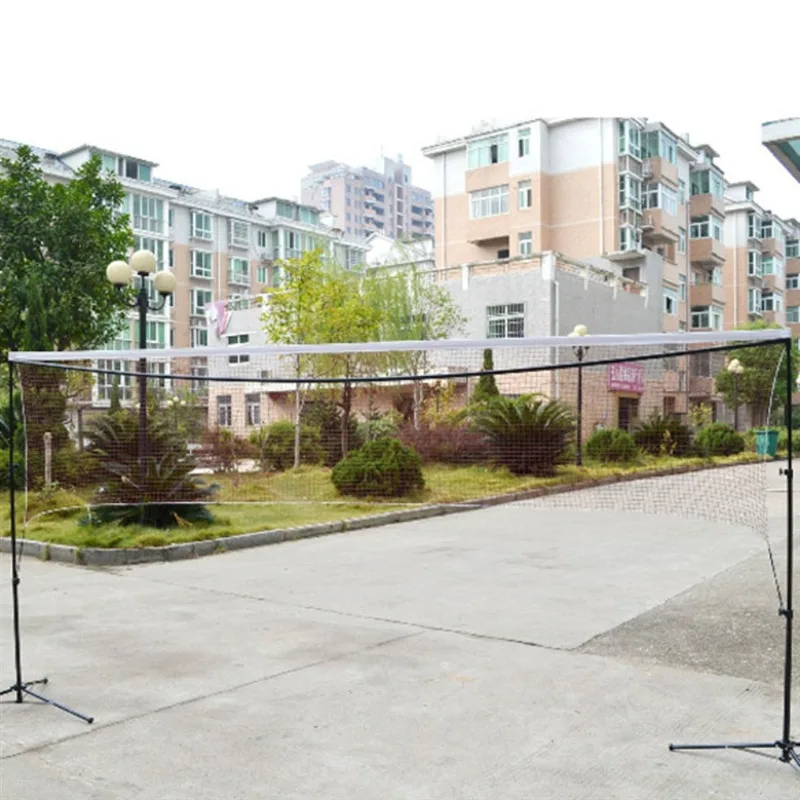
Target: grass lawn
[{"x": 255, "y": 502}]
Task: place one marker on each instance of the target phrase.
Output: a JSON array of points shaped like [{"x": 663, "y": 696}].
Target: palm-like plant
[
  {"x": 530, "y": 434},
  {"x": 168, "y": 495}
]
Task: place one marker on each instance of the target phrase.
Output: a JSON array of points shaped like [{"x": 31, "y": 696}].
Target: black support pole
[
  {"x": 20, "y": 687},
  {"x": 142, "y": 305}
]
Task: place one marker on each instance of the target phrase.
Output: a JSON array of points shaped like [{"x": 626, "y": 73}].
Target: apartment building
[
  {"x": 219, "y": 248},
  {"x": 366, "y": 201}
]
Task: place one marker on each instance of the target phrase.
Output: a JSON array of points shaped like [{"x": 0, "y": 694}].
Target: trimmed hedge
[
  {"x": 611, "y": 445},
  {"x": 718, "y": 439},
  {"x": 382, "y": 468}
]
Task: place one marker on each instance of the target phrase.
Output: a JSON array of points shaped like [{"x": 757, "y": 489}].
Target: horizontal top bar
[{"x": 709, "y": 338}]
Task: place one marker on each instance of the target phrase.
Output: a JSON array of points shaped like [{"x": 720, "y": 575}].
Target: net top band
[{"x": 709, "y": 338}]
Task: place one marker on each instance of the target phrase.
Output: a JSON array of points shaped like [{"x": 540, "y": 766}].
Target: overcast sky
[{"x": 243, "y": 96}]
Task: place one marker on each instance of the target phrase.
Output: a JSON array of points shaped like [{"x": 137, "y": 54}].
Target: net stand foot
[
  {"x": 790, "y": 750},
  {"x": 22, "y": 689}
]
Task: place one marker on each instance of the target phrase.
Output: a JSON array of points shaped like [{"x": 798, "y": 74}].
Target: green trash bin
[{"x": 766, "y": 442}]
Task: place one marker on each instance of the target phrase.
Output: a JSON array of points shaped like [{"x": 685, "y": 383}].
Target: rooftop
[{"x": 782, "y": 139}]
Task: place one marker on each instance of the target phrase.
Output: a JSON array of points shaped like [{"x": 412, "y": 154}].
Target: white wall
[
  {"x": 449, "y": 171},
  {"x": 575, "y": 145}
]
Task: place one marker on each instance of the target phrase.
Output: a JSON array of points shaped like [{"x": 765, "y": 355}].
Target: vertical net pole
[
  {"x": 12, "y": 509},
  {"x": 788, "y": 611}
]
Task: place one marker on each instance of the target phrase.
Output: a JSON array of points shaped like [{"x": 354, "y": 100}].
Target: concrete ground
[{"x": 518, "y": 652}]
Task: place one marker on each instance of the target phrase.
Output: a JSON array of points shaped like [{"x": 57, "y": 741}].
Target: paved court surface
[{"x": 515, "y": 652}]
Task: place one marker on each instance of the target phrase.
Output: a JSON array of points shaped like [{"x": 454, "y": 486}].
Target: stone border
[{"x": 120, "y": 557}]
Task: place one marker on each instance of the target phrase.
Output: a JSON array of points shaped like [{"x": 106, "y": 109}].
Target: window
[
  {"x": 630, "y": 238},
  {"x": 793, "y": 281},
  {"x": 155, "y": 246},
  {"x": 671, "y": 302},
  {"x": 523, "y": 142},
  {"x": 505, "y": 322},
  {"x": 106, "y": 381},
  {"x": 656, "y": 195},
  {"x": 629, "y": 139},
  {"x": 239, "y": 271},
  {"x": 156, "y": 335},
  {"x": 748, "y": 193},
  {"x": 261, "y": 238},
  {"x": 224, "y": 411},
  {"x": 682, "y": 287},
  {"x": 681, "y": 192},
  {"x": 284, "y": 209},
  {"x": 716, "y": 276},
  {"x": 199, "y": 336},
  {"x": 133, "y": 169},
  {"x": 261, "y": 275},
  {"x": 201, "y": 225},
  {"x": 148, "y": 213},
  {"x": 767, "y": 229},
  {"x": 793, "y": 313},
  {"x": 525, "y": 244},
  {"x": 200, "y": 299},
  {"x": 242, "y": 338},
  {"x": 525, "y": 194},
  {"x": 707, "y": 317},
  {"x": 704, "y": 227},
  {"x": 630, "y": 192},
  {"x": 109, "y": 163},
  {"x": 650, "y": 195},
  {"x": 717, "y": 228},
  {"x": 310, "y": 217},
  {"x": 771, "y": 301},
  {"x": 252, "y": 409},
  {"x": 201, "y": 264},
  {"x": 681, "y": 240},
  {"x": 754, "y": 266},
  {"x": 198, "y": 370},
  {"x": 657, "y": 144},
  {"x": 239, "y": 233},
  {"x": 792, "y": 248},
  {"x": 489, "y": 202},
  {"x": 753, "y": 226},
  {"x": 700, "y": 365},
  {"x": 171, "y": 257},
  {"x": 754, "y": 301},
  {"x": 503, "y": 253},
  {"x": 171, "y": 217},
  {"x": 492, "y": 150}
]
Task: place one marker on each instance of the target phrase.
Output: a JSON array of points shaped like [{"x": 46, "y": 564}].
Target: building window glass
[
  {"x": 106, "y": 381},
  {"x": 241, "y": 338},
  {"x": 630, "y": 238},
  {"x": 201, "y": 264},
  {"x": 148, "y": 213},
  {"x": 525, "y": 194},
  {"x": 506, "y": 321},
  {"x": 767, "y": 229},
  {"x": 682, "y": 287},
  {"x": 771, "y": 301},
  {"x": 671, "y": 302},
  {"x": 681, "y": 240},
  {"x": 155, "y": 246},
  {"x": 200, "y": 299},
  {"x": 754, "y": 301},
  {"x": 489, "y": 202},
  {"x": 252, "y": 409},
  {"x": 523, "y": 142},
  {"x": 772, "y": 265},
  {"x": 201, "y": 225},
  {"x": 630, "y": 192},
  {"x": 656, "y": 195},
  {"x": 629, "y": 141},
  {"x": 754, "y": 266},
  {"x": 793, "y": 281},
  {"x": 707, "y": 317},
  {"x": 239, "y": 271},
  {"x": 705, "y": 227},
  {"x": 491, "y": 150},
  {"x": 284, "y": 209},
  {"x": 753, "y": 226},
  {"x": 657, "y": 144},
  {"x": 681, "y": 192},
  {"x": 239, "y": 233},
  {"x": 224, "y": 411},
  {"x": 525, "y": 244},
  {"x": 792, "y": 248},
  {"x": 261, "y": 275},
  {"x": 199, "y": 337},
  {"x": 793, "y": 313}
]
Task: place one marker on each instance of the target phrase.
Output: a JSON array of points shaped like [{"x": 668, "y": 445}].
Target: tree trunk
[
  {"x": 417, "y": 403},
  {"x": 297, "y": 426},
  {"x": 347, "y": 404}
]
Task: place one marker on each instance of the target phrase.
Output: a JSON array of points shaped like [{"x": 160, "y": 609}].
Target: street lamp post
[
  {"x": 580, "y": 353},
  {"x": 736, "y": 369},
  {"x": 119, "y": 273}
]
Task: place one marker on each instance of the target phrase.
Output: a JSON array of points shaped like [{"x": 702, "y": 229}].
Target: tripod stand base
[
  {"x": 22, "y": 689},
  {"x": 790, "y": 751}
]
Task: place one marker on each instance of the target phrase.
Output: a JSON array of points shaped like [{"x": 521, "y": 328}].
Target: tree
[
  {"x": 292, "y": 317},
  {"x": 412, "y": 307},
  {"x": 487, "y": 386},
  {"x": 754, "y": 385},
  {"x": 60, "y": 237}
]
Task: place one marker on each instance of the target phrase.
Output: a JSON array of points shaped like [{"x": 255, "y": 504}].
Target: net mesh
[{"x": 654, "y": 425}]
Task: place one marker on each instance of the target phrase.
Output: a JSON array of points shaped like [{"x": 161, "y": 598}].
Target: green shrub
[
  {"x": 382, "y": 426},
  {"x": 487, "y": 386},
  {"x": 611, "y": 445},
  {"x": 530, "y": 434},
  {"x": 19, "y": 471},
  {"x": 383, "y": 468},
  {"x": 326, "y": 417},
  {"x": 783, "y": 441},
  {"x": 222, "y": 449},
  {"x": 663, "y": 435},
  {"x": 274, "y": 444},
  {"x": 718, "y": 439}
]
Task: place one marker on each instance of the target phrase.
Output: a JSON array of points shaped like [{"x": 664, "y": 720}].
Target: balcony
[
  {"x": 701, "y": 205},
  {"x": 659, "y": 227},
  {"x": 770, "y": 247},
  {"x": 707, "y": 251},
  {"x": 701, "y": 386},
  {"x": 659, "y": 169},
  {"x": 706, "y": 294}
]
